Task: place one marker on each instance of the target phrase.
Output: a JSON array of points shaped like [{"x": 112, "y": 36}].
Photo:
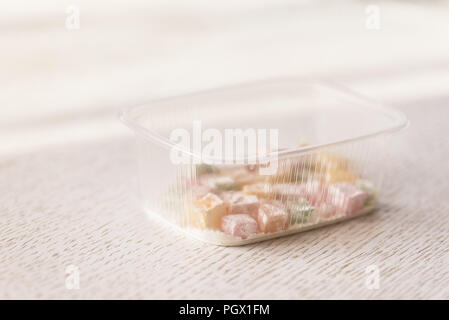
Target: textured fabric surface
[
  {"x": 68, "y": 175},
  {"x": 76, "y": 205}
]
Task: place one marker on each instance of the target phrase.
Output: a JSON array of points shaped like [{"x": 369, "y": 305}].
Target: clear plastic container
[{"x": 295, "y": 155}]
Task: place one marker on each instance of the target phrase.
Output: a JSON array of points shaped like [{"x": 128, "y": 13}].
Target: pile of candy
[{"x": 241, "y": 203}]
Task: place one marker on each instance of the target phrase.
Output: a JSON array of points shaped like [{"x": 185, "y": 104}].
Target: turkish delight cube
[
  {"x": 288, "y": 191},
  {"x": 346, "y": 197},
  {"x": 290, "y": 170},
  {"x": 326, "y": 210},
  {"x": 370, "y": 190},
  {"x": 240, "y": 203},
  {"x": 272, "y": 217},
  {"x": 314, "y": 191},
  {"x": 207, "y": 212},
  {"x": 242, "y": 176},
  {"x": 218, "y": 183},
  {"x": 199, "y": 190},
  {"x": 261, "y": 190},
  {"x": 300, "y": 210},
  {"x": 204, "y": 168},
  {"x": 328, "y": 160},
  {"x": 339, "y": 175},
  {"x": 239, "y": 225}
]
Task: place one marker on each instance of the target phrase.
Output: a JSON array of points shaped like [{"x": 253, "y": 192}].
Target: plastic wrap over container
[{"x": 257, "y": 161}]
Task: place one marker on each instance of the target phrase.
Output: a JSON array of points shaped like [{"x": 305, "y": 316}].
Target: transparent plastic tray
[{"x": 295, "y": 155}]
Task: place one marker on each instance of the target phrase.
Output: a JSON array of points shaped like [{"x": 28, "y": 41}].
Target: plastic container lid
[{"x": 323, "y": 112}]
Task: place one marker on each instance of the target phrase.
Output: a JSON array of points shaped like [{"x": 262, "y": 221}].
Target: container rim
[{"x": 400, "y": 121}]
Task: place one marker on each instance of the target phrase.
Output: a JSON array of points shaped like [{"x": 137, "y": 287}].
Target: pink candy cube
[
  {"x": 239, "y": 225},
  {"x": 326, "y": 210},
  {"x": 199, "y": 191},
  {"x": 315, "y": 191},
  {"x": 346, "y": 197},
  {"x": 272, "y": 217},
  {"x": 240, "y": 203},
  {"x": 288, "y": 191}
]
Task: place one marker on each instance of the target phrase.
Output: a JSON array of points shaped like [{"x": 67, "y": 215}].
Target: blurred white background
[
  {"x": 60, "y": 84},
  {"x": 67, "y": 169}
]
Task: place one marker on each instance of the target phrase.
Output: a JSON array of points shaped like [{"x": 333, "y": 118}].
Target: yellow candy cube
[
  {"x": 338, "y": 175},
  {"x": 330, "y": 161},
  {"x": 261, "y": 190},
  {"x": 207, "y": 212},
  {"x": 333, "y": 168}
]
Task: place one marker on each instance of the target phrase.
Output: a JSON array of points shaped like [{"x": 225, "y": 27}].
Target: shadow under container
[{"x": 310, "y": 153}]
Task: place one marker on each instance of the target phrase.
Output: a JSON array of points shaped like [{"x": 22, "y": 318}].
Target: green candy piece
[
  {"x": 369, "y": 188},
  {"x": 206, "y": 169},
  {"x": 300, "y": 211},
  {"x": 222, "y": 184}
]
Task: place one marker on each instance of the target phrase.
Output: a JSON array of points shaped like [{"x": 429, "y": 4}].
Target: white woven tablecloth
[
  {"x": 68, "y": 174},
  {"x": 75, "y": 205}
]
